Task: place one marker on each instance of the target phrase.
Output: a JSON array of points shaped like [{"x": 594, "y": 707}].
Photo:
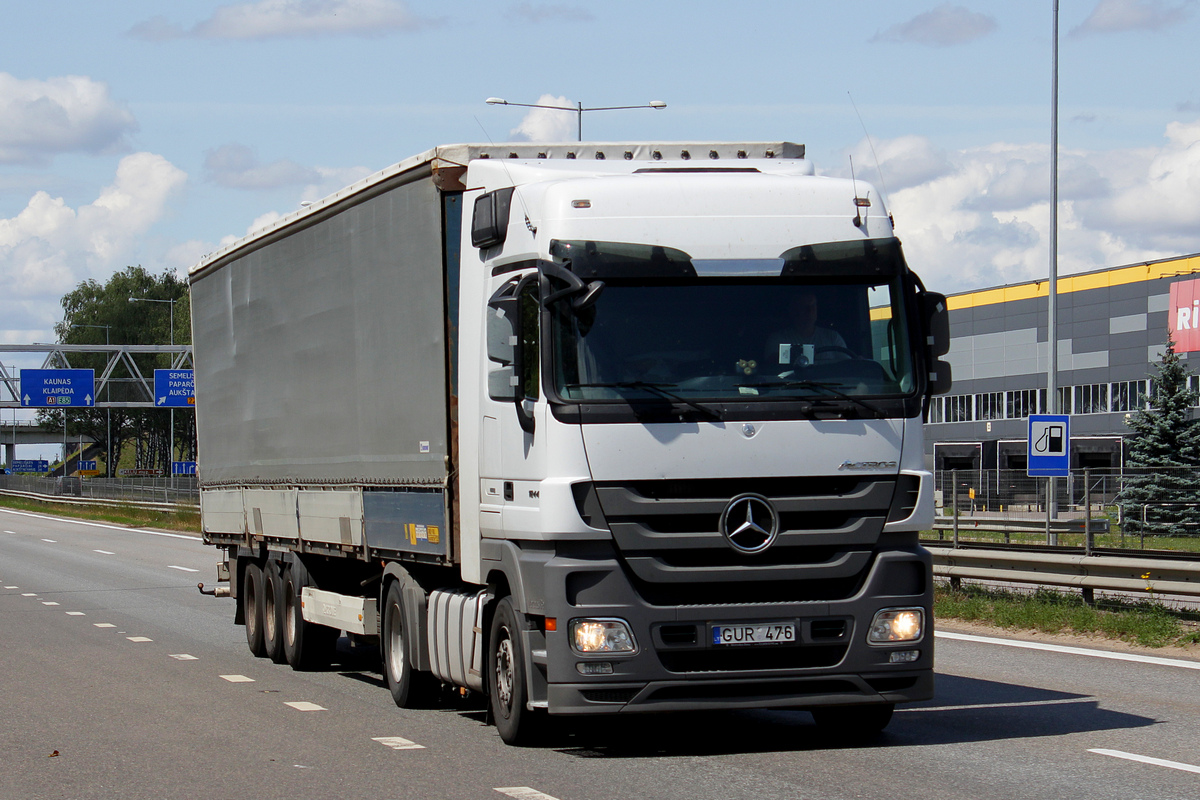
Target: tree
[
  {"x": 1164, "y": 451},
  {"x": 103, "y": 314}
]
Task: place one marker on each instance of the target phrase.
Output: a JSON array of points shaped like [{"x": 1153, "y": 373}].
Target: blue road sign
[
  {"x": 55, "y": 388},
  {"x": 86, "y": 465},
  {"x": 1049, "y": 446},
  {"x": 35, "y": 466},
  {"x": 174, "y": 388},
  {"x": 183, "y": 467}
]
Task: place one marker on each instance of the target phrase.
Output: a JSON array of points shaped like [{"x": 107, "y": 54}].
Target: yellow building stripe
[{"x": 1118, "y": 276}]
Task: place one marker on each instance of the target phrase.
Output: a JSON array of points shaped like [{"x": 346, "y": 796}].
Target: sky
[{"x": 149, "y": 133}]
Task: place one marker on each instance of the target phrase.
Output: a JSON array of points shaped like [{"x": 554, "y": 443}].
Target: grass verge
[
  {"x": 183, "y": 520},
  {"x": 1147, "y": 623}
]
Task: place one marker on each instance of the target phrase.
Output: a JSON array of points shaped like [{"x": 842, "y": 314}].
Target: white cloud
[
  {"x": 943, "y": 26},
  {"x": 546, "y": 124},
  {"x": 276, "y": 19},
  {"x": 235, "y": 166},
  {"x": 49, "y": 247},
  {"x": 1115, "y": 16},
  {"x": 41, "y": 119},
  {"x": 981, "y": 217}
]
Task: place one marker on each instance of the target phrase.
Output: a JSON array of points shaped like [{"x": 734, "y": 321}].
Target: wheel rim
[
  {"x": 504, "y": 670},
  {"x": 251, "y": 603},
  {"x": 289, "y": 615},
  {"x": 269, "y": 610},
  {"x": 395, "y": 640}
]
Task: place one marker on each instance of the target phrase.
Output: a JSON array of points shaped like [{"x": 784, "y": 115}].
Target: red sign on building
[{"x": 1184, "y": 319}]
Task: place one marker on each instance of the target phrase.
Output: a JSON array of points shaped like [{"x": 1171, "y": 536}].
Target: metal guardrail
[
  {"x": 1020, "y": 525},
  {"x": 93, "y": 501},
  {"x": 1120, "y": 572}
]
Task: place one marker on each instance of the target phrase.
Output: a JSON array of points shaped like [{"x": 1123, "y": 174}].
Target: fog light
[
  {"x": 897, "y": 625},
  {"x": 601, "y": 636},
  {"x": 904, "y": 656},
  {"x": 594, "y": 667}
]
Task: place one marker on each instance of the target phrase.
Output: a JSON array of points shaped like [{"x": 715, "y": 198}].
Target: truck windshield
[{"x": 794, "y": 327}]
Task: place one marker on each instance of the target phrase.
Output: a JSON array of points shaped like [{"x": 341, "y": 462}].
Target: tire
[
  {"x": 306, "y": 645},
  {"x": 272, "y": 606},
  {"x": 410, "y": 688},
  {"x": 853, "y": 723},
  {"x": 506, "y": 669},
  {"x": 252, "y": 603}
]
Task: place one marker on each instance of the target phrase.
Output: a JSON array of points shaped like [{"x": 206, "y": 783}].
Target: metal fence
[
  {"x": 178, "y": 490},
  {"x": 1008, "y": 506}
]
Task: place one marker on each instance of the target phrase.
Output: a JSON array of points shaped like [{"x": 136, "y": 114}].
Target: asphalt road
[{"x": 121, "y": 681}]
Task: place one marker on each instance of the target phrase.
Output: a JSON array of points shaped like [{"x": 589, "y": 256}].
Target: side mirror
[
  {"x": 939, "y": 378},
  {"x": 504, "y": 346},
  {"x": 936, "y": 317},
  {"x": 489, "y": 222}
]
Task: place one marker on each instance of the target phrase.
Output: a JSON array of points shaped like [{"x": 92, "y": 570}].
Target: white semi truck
[{"x": 589, "y": 428}]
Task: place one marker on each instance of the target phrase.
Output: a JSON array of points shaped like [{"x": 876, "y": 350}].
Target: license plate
[{"x": 775, "y": 633}]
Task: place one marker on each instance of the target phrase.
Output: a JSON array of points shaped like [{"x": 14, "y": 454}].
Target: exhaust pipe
[{"x": 216, "y": 591}]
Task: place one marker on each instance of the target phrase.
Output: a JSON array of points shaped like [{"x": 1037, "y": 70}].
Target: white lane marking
[
  {"x": 183, "y": 569},
  {"x": 12, "y": 587},
  {"x": 397, "y": 743},
  {"x": 238, "y": 679},
  {"x": 105, "y": 552},
  {"x": 303, "y": 705},
  {"x": 139, "y": 638},
  {"x": 1158, "y": 762},
  {"x": 1021, "y": 704},
  {"x": 183, "y": 657},
  {"x": 1075, "y": 651},
  {"x": 104, "y": 625},
  {"x": 523, "y": 793},
  {"x": 76, "y": 614},
  {"x": 99, "y": 525},
  {"x": 49, "y": 603},
  {"x": 51, "y": 541},
  {"x": 29, "y": 594},
  {"x": 14, "y": 533}
]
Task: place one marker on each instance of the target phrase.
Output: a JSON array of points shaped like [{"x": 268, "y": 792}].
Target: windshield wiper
[
  {"x": 658, "y": 388},
  {"x": 826, "y": 386}
]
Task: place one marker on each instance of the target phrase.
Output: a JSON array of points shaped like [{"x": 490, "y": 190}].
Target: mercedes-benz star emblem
[{"x": 750, "y": 523}]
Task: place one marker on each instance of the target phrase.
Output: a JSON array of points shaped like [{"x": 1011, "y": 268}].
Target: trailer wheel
[
  {"x": 410, "y": 688},
  {"x": 252, "y": 602},
  {"x": 516, "y": 724},
  {"x": 857, "y": 723},
  {"x": 306, "y": 645},
  {"x": 272, "y": 606}
]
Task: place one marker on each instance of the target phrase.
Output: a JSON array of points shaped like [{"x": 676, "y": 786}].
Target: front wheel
[{"x": 516, "y": 724}]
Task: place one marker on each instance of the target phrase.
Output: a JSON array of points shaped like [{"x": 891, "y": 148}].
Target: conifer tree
[{"x": 1164, "y": 451}]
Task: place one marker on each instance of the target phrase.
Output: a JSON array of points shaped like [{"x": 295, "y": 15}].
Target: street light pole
[{"x": 577, "y": 110}]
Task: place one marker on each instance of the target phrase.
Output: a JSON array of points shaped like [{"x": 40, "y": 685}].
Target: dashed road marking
[
  {"x": 397, "y": 743},
  {"x": 105, "y": 552},
  {"x": 183, "y": 657},
  {"x": 76, "y": 613},
  {"x": 183, "y": 569},
  {"x": 12, "y": 587},
  {"x": 237, "y": 679},
  {"x": 1075, "y": 651},
  {"x": 49, "y": 603},
  {"x": 1158, "y": 762},
  {"x": 139, "y": 638},
  {"x": 51, "y": 541},
  {"x": 104, "y": 625},
  {"x": 524, "y": 793},
  {"x": 304, "y": 705},
  {"x": 29, "y": 594},
  {"x": 14, "y": 533}
]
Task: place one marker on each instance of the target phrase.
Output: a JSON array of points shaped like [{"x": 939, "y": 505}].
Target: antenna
[
  {"x": 854, "y": 185},
  {"x": 524, "y": 208},
  {"x": 878, "y": 168}
]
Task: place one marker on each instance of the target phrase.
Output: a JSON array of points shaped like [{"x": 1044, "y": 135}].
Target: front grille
[
  {"x": 752, "y": 658},
  {"x": 667, "y": 533}
]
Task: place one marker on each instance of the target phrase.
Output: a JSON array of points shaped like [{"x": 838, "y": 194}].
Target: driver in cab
[{"x": 804, "y": 341}]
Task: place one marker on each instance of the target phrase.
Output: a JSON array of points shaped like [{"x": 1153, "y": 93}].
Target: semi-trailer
[{"x": 590, "y": 428}]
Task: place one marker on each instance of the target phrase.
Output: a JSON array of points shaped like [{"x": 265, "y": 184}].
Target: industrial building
[{"x": 1112, "y": 329}]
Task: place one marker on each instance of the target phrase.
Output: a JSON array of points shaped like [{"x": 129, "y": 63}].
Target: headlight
[
  {"x": 897, "y": 625},
  {"x": 601, "y": 636}
]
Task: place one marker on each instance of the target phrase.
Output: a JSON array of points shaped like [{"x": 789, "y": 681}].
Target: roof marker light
[
  {"x": 581, "y": 204},
  {"x": 713, "y": 154}
]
